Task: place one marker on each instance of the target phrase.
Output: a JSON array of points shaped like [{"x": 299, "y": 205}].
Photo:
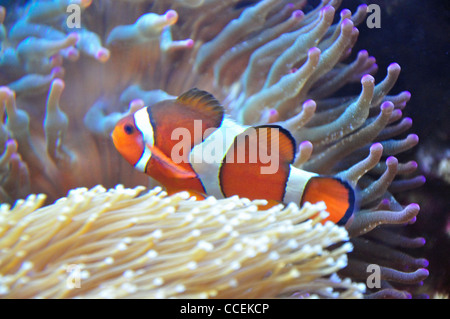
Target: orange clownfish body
[{"x": 189, "y": 144}]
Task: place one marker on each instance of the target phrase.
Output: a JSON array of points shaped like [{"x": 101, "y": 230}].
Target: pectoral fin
[{"x": 169, "y": 167}]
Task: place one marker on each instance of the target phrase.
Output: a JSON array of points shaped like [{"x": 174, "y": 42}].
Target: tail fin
[{"x": 338, "y": 195}]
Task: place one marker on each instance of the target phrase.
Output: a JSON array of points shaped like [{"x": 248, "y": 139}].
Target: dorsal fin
[
  {"x": 286, "y": 143},
  {"x": 204, "y": 102}
]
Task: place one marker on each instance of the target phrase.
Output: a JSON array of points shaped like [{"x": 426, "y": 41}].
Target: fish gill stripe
[
  {"x": 143, "y": 124},
  {"x": 142, "y": 120},
  {"x": 141, "y": 165}
]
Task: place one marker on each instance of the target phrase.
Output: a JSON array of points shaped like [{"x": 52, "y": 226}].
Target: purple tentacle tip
[
  {"x": 347, "y": 24},
  {"x": 374, "y": 68},
  {"x": 367, "y": 78},
  {"x": 394, "y": 67},
  {"x": 74, "y": 35},
  {"x": 313, "y": 52},
  {"x": 345, "y": 12},
  {"x": 327, "y": 10},
  {"x": 388, "y": 105},
  {"x": 10, "y": 142},
  {"x": 423, "y": 272},
  {"x": 414, "y": 138},
  {"x": 424, "y": 262},
  {"x": 189, "y": 43},
  {"x": 297, "y": 14},
  {"x": 362, "y": 7},
  {"x": 376, "y": 146},
  {"x": 408, "y": 120},
  {"x": 363, "y": 53},
  {"x": 397, "y": 113},
  {"x": 407, "y": 94},
  {"x": 309, "y": 103},
  {"x": 305, "y": 144},
  {"x": 391, "y": 160},
  {"x": 171, "y": 14}
]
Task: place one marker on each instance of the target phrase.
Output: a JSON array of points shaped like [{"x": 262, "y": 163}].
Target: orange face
[{"x": 128, "y": 140}]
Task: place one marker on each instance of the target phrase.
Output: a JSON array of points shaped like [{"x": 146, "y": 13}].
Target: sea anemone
[
  {"x": 65, "y": 87},
  {"x": 110, "y": 244}
]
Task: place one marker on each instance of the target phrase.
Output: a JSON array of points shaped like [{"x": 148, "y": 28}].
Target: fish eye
[{"x": 129, "y": 129}]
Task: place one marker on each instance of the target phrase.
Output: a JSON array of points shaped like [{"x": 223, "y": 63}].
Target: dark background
[{"x": 416, "y": 34}]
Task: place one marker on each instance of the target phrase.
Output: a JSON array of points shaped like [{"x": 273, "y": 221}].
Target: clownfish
[{"x": 189, "y": 144}]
